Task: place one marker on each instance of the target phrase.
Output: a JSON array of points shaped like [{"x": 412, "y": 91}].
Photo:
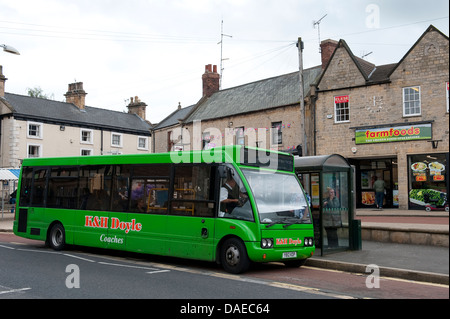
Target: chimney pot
[
  {"x": 211, "y": 80},
  {"x": 327, "y": 48},
  {"x": 2, "y": 82},
  {"x": 76, "y": 95},
  {"x": 137, "y": 107}
]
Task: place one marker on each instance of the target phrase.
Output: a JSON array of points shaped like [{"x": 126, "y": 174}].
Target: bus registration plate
[{"x": 290, "y": 254}]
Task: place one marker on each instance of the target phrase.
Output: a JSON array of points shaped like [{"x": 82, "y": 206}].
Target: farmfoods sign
[{"x": 393, "y": 134}]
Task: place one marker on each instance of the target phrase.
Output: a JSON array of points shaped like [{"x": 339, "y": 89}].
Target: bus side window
[
  {"x": 193, "y": 194},
  {"x": 150, "y": 188},
  {"x": 63, "y": 187},
  {"x": 95, "y": 186},
  {"x": 39, "y": 187},
  {"x": 121, "y": 185},
  {"x": 25, "y": 187}
]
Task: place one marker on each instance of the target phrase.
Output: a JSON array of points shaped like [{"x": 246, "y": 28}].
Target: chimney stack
[
  {"x": 137, "y": 107},
  {"x": 211, "y": 80},
  {"x": 76, "y": 95},
  {"x": 2, "y": 82},
  {"x": 327, "y": 48}
]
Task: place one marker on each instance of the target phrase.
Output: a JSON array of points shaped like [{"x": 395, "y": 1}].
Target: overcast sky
[{"x": 158, "y": 49}]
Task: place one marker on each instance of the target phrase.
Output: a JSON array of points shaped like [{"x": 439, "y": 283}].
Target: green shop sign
[{"x": 393, "y": 134}]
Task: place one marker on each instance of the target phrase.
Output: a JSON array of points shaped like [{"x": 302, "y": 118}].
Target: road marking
[
  {"x": 157, "y": 271},
  {"x": 77, "y": 257},
  {"x": 12, "y": 248},
  {"x": 127, "y": 266},
  {"x": 13, "y": 291}
]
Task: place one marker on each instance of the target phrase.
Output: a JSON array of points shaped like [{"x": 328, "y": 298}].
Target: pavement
[{"x": 427, "y": 263}]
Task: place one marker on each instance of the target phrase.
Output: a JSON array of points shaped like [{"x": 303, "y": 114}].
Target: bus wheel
[
  {"x": 57, "y": 237},
  {"x": 233, "y": 256}
]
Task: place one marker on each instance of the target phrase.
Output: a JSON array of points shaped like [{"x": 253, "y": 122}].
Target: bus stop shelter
[
  {"x": 8, "y": 178},
  {"x": 328, "y": 179}
]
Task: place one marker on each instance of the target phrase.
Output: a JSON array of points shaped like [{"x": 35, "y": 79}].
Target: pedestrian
[{"x": 379, "y": 186}]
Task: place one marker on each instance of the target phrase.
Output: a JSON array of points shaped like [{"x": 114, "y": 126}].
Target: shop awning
[{"x": 9, "y": 174}]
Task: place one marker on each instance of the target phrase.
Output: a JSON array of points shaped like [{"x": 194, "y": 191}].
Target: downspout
[
  {"x": 101, "y": 141},
  {"x": 313, "y": 98}
]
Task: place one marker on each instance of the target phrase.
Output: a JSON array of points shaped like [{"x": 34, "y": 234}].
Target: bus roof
[{"x": 244, "y": 156}]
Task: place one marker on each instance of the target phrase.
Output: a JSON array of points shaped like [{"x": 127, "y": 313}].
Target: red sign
[
  {"x": 421, "y": 178},
  {"x": 341, "y": 99}
]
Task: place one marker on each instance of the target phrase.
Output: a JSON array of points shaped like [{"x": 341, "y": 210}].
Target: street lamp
[{"x": 9, "y": 49}]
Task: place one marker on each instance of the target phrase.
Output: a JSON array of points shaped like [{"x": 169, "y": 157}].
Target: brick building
[{"x": 389, "y": 121}]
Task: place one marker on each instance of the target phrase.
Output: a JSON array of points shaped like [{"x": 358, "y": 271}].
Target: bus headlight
[
  {"x": 309, "y": 241},
  {"x": 267, "y": 243}
]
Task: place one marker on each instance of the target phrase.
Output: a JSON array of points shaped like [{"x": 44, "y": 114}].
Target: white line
[
  {"x": 13, "y": 291},
  {"x": 12, "y": 248},
  {"x": 157, "y": 271},
  {"x": 128, "y": 266},
  {"x": 40, "y": 251},
  {"x": 85, "y": 259}
]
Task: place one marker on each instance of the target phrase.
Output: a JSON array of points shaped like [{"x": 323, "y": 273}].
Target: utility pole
[{"x": 302, "y": 98}]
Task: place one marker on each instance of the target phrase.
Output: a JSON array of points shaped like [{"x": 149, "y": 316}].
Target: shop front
[
  {"x": 428, "y": 185},
  {"x": 369, "y": 170}
]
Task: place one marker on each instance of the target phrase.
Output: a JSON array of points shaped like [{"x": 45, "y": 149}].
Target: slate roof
[
  {"x": 265, "y": 94},
  {"x": 173, "y": 118},
  {"x": 49, "y": 111}
]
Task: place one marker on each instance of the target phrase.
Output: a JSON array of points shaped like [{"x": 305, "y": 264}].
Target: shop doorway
[{"x": 365, "y": 172}]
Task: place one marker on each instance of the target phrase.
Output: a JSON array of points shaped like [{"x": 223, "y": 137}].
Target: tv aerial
[{"x": 318, "y": 27}]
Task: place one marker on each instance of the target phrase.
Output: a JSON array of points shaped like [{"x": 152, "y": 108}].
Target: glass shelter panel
[{"x": 335, "y": 210}]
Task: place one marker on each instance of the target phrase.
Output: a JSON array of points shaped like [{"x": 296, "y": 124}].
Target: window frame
[
  {"x": 338, "y": 100},
  {"x": 145, "y": 138},
  {"x": 39, "y": 147},
  {"x": 276, "y": 131},
  {"x": 40, "y": 130},
  {"x": 410, "y": 101},
  {"x": 120, "y": 135},
  {"x": 91, "y": 138}
]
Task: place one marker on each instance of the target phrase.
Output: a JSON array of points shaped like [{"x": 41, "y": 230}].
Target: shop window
[{"x": 428, "y": 183}]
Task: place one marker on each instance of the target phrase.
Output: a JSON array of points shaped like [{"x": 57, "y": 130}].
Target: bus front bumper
[{"x": 258, "y": 254}]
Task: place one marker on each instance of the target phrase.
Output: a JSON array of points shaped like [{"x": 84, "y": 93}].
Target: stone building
[
  {"x": 262, "y": 114},
  {"x": 390, "y": 121},
  {"x": 37, "y": 127}
]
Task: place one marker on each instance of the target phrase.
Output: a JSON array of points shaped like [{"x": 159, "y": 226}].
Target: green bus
[{"x": 233, "y": 205}]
